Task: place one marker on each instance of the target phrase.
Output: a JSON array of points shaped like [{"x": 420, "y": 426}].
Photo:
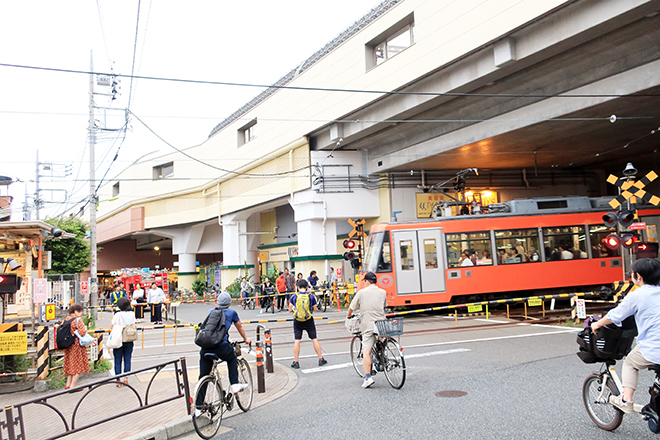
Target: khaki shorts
[{"x": 368, "y": 340}]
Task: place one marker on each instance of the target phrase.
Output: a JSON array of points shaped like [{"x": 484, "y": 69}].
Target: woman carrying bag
[
  {"x": 123, "y": 329},
  {"x": 75, "y": 357}
]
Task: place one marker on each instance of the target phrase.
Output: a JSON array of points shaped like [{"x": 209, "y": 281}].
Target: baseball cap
[{"x": 371, "y": 277}]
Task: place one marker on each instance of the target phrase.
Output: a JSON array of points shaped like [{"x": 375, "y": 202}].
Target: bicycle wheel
[
  {"x": 356, "y": 355},
  {"x": 252, "y": 303},
  {"x": 322, "y": 303},
  {"x": 605, "y": 415},
  {"x": 395, "y": 365},
  {"x": 243, "y": 303},
  {"x": 208, "y": 407},
  {"x": 244, "y": 398}
]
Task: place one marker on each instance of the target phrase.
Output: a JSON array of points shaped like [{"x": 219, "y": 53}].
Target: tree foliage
[{"x": 70, "y": 255}]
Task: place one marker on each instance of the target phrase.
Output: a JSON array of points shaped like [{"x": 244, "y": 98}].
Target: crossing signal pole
[{"x": 355, "y": 246}]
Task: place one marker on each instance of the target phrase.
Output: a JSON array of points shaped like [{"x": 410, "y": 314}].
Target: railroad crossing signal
[
  {"x": 630, "y": 190},
  {"x": 358, "y": 228}
]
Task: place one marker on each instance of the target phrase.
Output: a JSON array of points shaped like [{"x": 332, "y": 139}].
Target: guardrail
[{"x": 14, "y": 427}]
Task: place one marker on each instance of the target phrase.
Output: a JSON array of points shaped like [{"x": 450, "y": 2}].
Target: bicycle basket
[
  {"x": 611, "y": 342},
  {"x": 353, "y": 324},
  {"x": 390, "y": 327}
]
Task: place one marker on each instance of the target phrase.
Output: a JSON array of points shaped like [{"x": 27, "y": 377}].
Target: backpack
[
  {"x": 303, "y": 310},
  {"x": 212, "y": 331},
  {"x": 65, "y": 338}
]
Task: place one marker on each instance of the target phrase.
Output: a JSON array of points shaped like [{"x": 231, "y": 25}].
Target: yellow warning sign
[
  {"x": 13, "y": 343},
  {"x": 475, "y": 308},
  {"x": 535, "y": 302},
  {"x": 50, "y": 312}
]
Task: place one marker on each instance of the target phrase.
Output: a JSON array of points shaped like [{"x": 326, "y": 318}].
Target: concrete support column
[
  {"x": 316, "y": 237},
  {"x": 187, "y": 270},
  {"x": 234, "y": 247}
]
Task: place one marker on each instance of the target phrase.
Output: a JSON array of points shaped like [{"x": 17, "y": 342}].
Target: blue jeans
[{"x": 124, "y": 354}]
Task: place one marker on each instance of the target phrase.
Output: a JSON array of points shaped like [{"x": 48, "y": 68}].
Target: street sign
[
  {"x": 84, "y": 287},
  {"x": 13, "y": 343},
  {"x": 50, "y": 312},
  {"x": 339, "y": 272},
  {"x": 475, "y": 308},
  {"x": 534, "y": 302},
  {"x": 40, "y": 290},
  {"x": 637, "y": 226},
  {"x": 581, "y": 309}
]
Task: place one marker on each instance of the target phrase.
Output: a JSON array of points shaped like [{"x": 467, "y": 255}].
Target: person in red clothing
[{"x": 280, "y": 283}]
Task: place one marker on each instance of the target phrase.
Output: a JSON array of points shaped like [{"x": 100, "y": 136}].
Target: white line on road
[
  {"x": 493, "y": 320},
  {"x": 350, "y": 364}
]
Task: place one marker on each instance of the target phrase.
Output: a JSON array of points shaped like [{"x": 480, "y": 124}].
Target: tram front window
[{"x": 378, "y": 257}]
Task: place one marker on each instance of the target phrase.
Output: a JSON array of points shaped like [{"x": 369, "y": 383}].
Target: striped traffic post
[
  {"x": 261, "y": 379},
  {"x": 42, "y": 352}
]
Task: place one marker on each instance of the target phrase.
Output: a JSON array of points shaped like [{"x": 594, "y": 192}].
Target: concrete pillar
[{"x": 187, "y": 270}]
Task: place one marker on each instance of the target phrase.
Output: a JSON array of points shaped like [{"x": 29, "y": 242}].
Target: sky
[{"x": 47, "y": 113}]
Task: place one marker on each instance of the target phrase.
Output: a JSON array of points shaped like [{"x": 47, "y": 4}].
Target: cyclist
[
  {"x": 267, "y": 295},
  {"x": 644, "y": 304},
  {"x": 370, "y": 302},
  {"x": 245, "y": 288},
  {"x": 225, "y": 351}
]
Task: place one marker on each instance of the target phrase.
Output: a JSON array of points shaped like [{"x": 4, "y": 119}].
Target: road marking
[
  {"x": 493, "y": 320},
  {"x": 350, "y": 364}
]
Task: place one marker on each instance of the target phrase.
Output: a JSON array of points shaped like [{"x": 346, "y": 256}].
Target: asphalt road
[{"x": 520, "y": 382}]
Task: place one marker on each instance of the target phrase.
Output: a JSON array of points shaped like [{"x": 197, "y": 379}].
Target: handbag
[
  {"x": 84, "y": 340},
  {"x": 116, "y": 337},
  {"x": 129, "y": 333}
]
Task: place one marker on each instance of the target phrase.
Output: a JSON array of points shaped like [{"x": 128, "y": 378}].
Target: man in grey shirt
[{"x": 370, "y": 302}]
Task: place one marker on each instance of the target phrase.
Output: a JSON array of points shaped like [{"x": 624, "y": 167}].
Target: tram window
[
  {"x": 407, "y": 256},
  {"x": 598, "y": 233},
  {"x": 430, "y": 253},
  {"x": 517, "y": 246},
  {"x": 469, "y": 249},
  {"x": 564, "y": 243},
  {"x": 378, "y": 256}
]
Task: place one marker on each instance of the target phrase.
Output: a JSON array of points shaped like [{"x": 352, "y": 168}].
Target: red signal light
[
  {"x": 349, "y": 244},
  {"x": 1, "y": 279},
  {"x": 612, "y": 241},
  {"x": 629, "y": 239}
]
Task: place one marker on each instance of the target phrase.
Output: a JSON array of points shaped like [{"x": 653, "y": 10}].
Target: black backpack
[
  {"x": 65, "y": 338},
  {"x": 212, "y": 331}
]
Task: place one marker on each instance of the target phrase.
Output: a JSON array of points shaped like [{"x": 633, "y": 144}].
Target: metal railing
[{"x": 13, "y": 427}]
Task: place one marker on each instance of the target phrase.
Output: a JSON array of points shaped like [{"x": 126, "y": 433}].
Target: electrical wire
[{"x": 324, "y": 89}]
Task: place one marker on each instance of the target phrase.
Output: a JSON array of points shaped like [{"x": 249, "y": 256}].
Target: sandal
[{"x": 126, "y": 380}]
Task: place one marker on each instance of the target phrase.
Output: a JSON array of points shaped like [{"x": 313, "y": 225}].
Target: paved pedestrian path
[{"x": 161, "y": 422}]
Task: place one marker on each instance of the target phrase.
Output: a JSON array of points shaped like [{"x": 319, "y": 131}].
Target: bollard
[
  {"x": 525, "y": 304},
  {"x": 42, "y": 352},
  {"x": 269, "y": 351},
  {"x": 456, "y": 317},
  {"x": 100, "y": 348},
  {"x": 261, "y": 380},
  {"x": 176, "y": 327},
  {"x": 336, "y": 293}
]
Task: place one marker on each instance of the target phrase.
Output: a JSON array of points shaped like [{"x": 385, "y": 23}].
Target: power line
[{"x": 322, "y": 89}]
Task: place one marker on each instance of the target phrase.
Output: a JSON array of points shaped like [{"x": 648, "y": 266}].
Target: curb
[{"x": 184, "y": 425}]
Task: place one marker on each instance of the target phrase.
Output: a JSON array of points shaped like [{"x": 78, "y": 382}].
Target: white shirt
[
  {"x": 123, "y": 318},
  {"x": 566, "y": 255},
  {"x": 467, "y": 262},
  {"x": 644, "y": 303},
  {"x": 155, "y": 296},
  {"x": 138, "y": 293}
]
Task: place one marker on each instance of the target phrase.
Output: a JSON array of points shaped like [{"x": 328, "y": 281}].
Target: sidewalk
[{"x": 164, "y": 421}]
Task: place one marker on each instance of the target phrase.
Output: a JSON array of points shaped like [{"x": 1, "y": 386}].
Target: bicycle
[
  {"x": 606, "y": 348},
  {"x": 249, "y": 302},
  {"x": 322, "y": 298},
  {"x": 267, "y": 303},
  {"x": 213, "y": 393},
  {"x": 386, "y": 355}
]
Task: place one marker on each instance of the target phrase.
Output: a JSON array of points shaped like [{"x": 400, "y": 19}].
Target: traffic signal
[
  {"x": 629, "y": 239},
  {"x": 10, "y": 282},
  {"x": 646, "y": 250},
  {"x": 625, "y": 218},
  {"x": 613, "y": 241},
  {"x": 349, "y": 244}
]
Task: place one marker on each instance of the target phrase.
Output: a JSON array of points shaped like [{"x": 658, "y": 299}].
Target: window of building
[
  {"x": 597, "y": 234},
  {"x": 247, "y": 133},
  {"x": 517, "y": 246},
  {"x": 564, "y": 243},
  {"x": 391, "y": 42},
  {"x": 163, "y": 171},
  {"x": 115, "y": 189},
  {"x": 475, "y": 247}
]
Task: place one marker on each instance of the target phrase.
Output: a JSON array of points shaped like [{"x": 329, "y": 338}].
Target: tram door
[{"x": 419, "y": 261}]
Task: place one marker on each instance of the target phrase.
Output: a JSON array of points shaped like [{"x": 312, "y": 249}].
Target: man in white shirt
[
  {"x": 565, "y": 253},
  {"x": 644, "y": 304},
  {"x": 155, "y": 297}
]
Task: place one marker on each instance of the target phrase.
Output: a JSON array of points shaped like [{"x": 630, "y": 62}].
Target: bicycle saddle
[
  {"x": 211, "y": 356},
  {"x": 656, "y": 368}
]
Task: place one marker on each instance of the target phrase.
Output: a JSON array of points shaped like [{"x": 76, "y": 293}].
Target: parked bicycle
[
  {"x": 386, "y": 355},
  {"x": 322, "y": 297},
  {"x": 212, "y": 396},
  {"x": 606, "y": 347}
]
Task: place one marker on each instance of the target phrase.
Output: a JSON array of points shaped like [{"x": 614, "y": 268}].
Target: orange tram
[{"x": 544, "y": 245}]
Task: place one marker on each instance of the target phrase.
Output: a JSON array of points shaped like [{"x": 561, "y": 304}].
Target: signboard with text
[
  {"x": 40, "y": 290},
  {"x": 13, "y": 343}
]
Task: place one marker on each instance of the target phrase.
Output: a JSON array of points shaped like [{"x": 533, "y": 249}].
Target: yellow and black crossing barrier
[{"x": 42, "y": 352}]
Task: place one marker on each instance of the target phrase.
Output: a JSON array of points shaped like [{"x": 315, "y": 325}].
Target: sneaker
[
  {"x": 368, "y": 382},
  {"x": 295, "y": 365},
  {"x": 626, "y": 407},
  {"x": 198, "y": 412},
  {"x": 322, "y": 362},
  {"x": 238, "y": 387}
]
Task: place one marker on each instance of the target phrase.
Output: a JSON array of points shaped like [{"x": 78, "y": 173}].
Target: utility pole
[{"x": 93, "y": 281}]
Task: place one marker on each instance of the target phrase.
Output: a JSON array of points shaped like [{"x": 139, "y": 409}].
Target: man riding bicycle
[
  {"x": 644, "y": 304},
  {"x": 370, "y": 302},
  {"x": 225, "y": 351},
  {"x": 246, "y": 286}
]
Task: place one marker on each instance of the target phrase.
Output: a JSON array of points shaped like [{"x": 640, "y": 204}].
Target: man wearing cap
[
  {"x": 370, "y": 302},
  {"x": 225, "y": 351}
]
